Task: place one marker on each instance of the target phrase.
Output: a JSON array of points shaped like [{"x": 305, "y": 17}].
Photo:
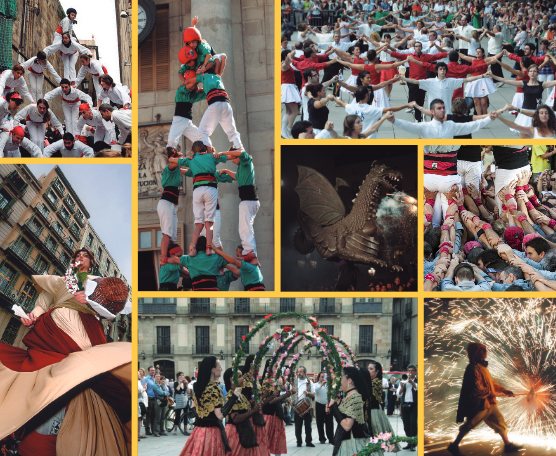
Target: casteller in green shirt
[
  {"x": 203, "y": 264},
  {"x": 251, "y": 277},
  {"x": 224, "y": 281},
  {"x": 169, "y": 275}
]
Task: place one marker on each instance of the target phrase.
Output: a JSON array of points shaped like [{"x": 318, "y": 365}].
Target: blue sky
[{"x": 105, "y": 190}]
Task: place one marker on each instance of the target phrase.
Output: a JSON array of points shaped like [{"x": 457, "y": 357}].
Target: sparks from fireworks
[{"x": 520, "y": 335}]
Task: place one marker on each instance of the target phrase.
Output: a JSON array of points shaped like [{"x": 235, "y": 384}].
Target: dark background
[{"x": 351, "y": 164}]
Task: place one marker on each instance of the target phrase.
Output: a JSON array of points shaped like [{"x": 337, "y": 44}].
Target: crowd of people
[
  {"x": 206, "y": 267},
  {"x": 89, "y": 128},
  {"x": 437, "y": 49},
  {"x": 490, "y": 213},
  {"x": 258, "y": 428}
]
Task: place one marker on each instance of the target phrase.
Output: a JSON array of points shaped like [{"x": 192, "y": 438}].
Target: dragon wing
[{"x": 318, "y": 198}]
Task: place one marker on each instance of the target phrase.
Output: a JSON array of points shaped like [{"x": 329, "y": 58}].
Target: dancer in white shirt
[
  {"x": 116, "y": 93},
  {"x": 35, "y": 67},
  {"x": 66, "y": 26},
  {"x": 69, "y": 147},
  {"x": 11, "y": 140},
  {"x": 71, "y": 99},
  {"x": 120, "y": 117},
  {"x": 11, "y": 102},
  {"x": 35, "y": 118},
  {"x": 12, "y": 79},
  {"x": 89, "y": 65},
  {"x": 438, "y": 128},
  {"x": 69, "y": 50},
  {"x": 104, "y": 130}
]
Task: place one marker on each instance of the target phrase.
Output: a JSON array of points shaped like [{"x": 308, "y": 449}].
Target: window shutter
[{"x": 154, "y": 56}]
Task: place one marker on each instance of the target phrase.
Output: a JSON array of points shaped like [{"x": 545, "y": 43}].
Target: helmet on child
[{"x": 186, "y": 55}]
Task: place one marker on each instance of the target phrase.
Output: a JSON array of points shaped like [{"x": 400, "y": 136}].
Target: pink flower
[
  {"x": 281, "y": 345},
  {"x": 288, "y": 371},
  {"x": 296, "y": 356}
]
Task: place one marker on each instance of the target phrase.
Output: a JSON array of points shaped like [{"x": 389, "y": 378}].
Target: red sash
[
  {"x": 77, "y": 100},
  {"x": 60, "y": 30},
  {"x": 36, "y": 443},
  {"x": 33, "y": 71}
]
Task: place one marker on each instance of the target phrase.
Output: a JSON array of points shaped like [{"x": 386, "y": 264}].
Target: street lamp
[
  {"x": 389, "y": 354},
  {"x": 143, "y": 355},
  {"x": 221, "y": 355}
]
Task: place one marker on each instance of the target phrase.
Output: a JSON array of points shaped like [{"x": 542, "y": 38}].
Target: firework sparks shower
[{"x": 520, "y": 335}]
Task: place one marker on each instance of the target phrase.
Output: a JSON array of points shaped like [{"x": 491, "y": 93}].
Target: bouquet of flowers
[
  {"x": 74, "y": 279},
  {"x": 384, "y": 442}
]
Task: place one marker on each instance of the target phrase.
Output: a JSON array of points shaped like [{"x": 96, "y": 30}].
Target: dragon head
[{"x": 380, "y": 181}]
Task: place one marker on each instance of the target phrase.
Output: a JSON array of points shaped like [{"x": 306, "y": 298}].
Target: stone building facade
[
  {"x": 42, "y": 222},
  {"x": 124, "y": 40},
  {"x": 244, "y": 31},
  {"x": 178, "y": 333}
]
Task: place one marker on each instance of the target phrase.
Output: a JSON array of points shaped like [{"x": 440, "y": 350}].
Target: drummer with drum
[{"x": 302, "y": 409}]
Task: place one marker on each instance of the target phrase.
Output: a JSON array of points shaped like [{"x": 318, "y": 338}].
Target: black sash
[{"x": 248, "y": 193}]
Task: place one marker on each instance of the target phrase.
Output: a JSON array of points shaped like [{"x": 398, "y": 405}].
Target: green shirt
[
  {"x": 169, "y": 273},
  {"x": 225, "y": 280},
  {"x": 187, "y": 96},
  {"x": 210, "y": 82},
  {"x": 171, "y": 177},
  {"x": 202, "y": 49},
  {"x": 202, "y": 163},
  {"x": 449, "y": 18},
  {"x": 225, "y": 178},
  {"x": 203, "y": 264},
  {"x": 249, "y": 274},
  {"x": 380, "y": 15},
  {"x": 245, "y": 174}
]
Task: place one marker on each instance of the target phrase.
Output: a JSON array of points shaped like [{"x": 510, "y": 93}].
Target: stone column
[{"x": 215, "y": 24}]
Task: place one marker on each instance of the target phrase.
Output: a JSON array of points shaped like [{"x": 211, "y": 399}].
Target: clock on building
[{"x": 146, "y": 19}]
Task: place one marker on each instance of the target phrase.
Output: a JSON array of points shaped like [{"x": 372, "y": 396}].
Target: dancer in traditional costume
[
  {"x": 239, "y": 428},
  {"x": 76, "y": 386},
  {"x": 352, "y": 433},
  {"x": 209, "y": 436}
]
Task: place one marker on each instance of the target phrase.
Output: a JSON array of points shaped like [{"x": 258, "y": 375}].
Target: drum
[{"x": 303, "y": 406}]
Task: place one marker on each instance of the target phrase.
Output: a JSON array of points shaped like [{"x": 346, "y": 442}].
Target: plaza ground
[{"x": 171, "y": 445}]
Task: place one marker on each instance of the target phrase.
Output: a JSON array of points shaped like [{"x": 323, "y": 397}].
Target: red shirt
[
  {"x": 302, "y": 65},
  {"x": 418, "y": 71},
  {"x": 357, "y": 62},
  {"x": 416, "y": 7},
  {"x": 478, "y": 67},
  {"x": 288, "y": 76},
  {"x": 455, "y": 70},
  {"x": 375, "y": 77},
  {"x": 536, "y": 60}
]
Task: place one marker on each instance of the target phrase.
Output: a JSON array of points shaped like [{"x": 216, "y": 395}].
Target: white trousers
[
  {"x": 247, "y": 212},
  {"x": 36, "y": 82},
  {"x": 215, "y": 230},
  {"x": 182, "y": 126},
  {"x": 470, "y": 172},
  {"x": 440, "y": 184},
  {"x": 71, "y": 114},
  {"x": 305, "y": 104},
  {"x": 98, "y": 88},
  {"x": 168, "y": 215},
  {"x": 503, "y": 177},
  {"x": 69, "y": 61},
  {"x": 204, "y": 204},
  {"x": 36, "y": 132},
  {"x": 219, "y": 112}
]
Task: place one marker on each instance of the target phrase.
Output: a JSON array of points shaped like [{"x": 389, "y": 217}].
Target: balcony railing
[
  {"x": 75, "y": 232},
  {"x": 16, "y": 183},
  {"x": 287, "y": 305},
  {"x": 79, "y": 217},
  {"x": 250, "y": 349},
  {"x": 156, "y": 308},
  {"x": 241, "y": 308},
  {"x": 58, "y": 231},
  {"x": 40, "y": 266},
  {"x": 70, "y": 203},
  {"x": 69, "y": 242},
  {"x": 6, "y": 207},
  {"x": 328, "y": 308},
  {"x": 166, "y": 350},
  {"x": 367, "y": 307},
  {"x": 43, "y": 212},
  {"x": 200, "y": 309},
  {"x": 58, "y": 186},
  {"x": 407, "y": 334},
  {"x": 52, "y": 202},
  {"x": 366, "y": 349},
  {"x": 24, "y": 300},
  {"x": 33, "y": 228},
  {"x": 201, "y": 350},
  {"x": 409, "y": 308},
  {"x": 64, "y": 216}
]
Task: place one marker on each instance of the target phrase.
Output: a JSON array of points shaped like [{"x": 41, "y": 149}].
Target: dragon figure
[{"x": 324, "y": 224}]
